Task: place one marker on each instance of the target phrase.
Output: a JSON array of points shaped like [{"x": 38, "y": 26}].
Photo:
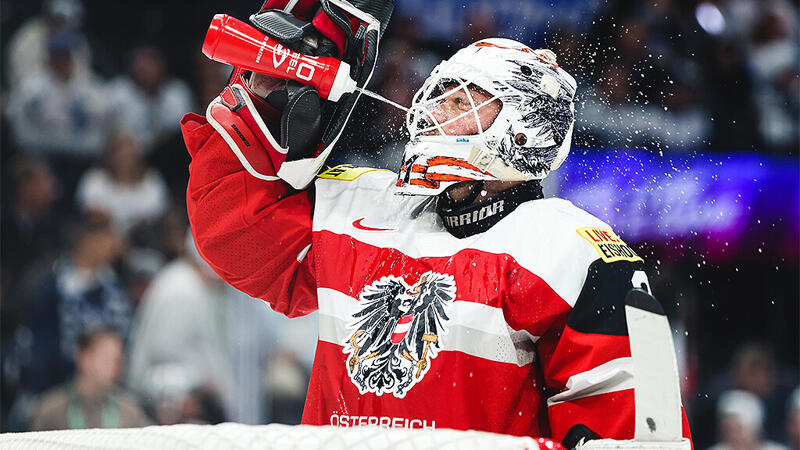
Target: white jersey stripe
[
  {"x": 473, "y": 328},
  {"x": 459, "y": 338}
]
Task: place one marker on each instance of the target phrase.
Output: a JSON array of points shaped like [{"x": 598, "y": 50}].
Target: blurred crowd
[{"x": 110, "y": 318}]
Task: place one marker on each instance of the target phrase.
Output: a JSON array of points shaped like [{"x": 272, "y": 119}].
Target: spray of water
[{"x": 383, "y": 99}]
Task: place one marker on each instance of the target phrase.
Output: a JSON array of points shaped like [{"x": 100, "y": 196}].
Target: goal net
[{"x": 274, "y": 436}]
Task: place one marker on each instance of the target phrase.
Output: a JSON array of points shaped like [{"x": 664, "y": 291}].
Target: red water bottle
[{"x": 231, "y": 41}]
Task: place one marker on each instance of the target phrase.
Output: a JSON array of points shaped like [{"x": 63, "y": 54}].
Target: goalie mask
[{"x": 529, "y": 137}]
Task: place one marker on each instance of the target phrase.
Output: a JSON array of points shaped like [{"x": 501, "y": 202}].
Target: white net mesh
[{"x": 275, "y": 436}]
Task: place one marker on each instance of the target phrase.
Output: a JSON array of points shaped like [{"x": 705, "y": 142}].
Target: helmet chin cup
[
  {"x": 431, "y": 164},
  {"x": 529, "y": 137}
]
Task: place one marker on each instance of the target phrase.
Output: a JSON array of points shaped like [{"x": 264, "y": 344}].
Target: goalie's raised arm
[
  {"x": 263, "y": 138},
  {"x": 322, "y": 51}
]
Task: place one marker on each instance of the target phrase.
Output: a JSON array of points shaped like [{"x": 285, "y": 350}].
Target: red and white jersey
[{"x": 518, "y": 330}]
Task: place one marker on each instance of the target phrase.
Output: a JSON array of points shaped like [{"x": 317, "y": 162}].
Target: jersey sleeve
[
  {"x": 587, "y": 363},
  {"x": 256, "y": 234}
]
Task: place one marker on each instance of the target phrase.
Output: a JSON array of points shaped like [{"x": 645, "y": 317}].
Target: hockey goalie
[{"x": 451, "y": 293}]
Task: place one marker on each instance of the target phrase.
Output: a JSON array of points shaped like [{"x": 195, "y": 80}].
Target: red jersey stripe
[
  {"x": 480, "y": 277},
  {"x": 587, "y": 352}
]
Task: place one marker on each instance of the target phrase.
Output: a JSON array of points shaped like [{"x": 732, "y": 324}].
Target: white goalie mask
[{"x": 530, "y": 136}]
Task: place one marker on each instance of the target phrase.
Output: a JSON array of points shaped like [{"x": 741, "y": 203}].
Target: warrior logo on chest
[{"x": 398, "y": 332}]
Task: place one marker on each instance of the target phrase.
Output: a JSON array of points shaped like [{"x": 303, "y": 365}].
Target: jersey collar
[{"x": 470, "y": 219}]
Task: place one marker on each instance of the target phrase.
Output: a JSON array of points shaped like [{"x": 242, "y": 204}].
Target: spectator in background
[
  {"x": 260, "y": 339},
  {"x": 775, "y": 66},
  {"x": 140, "y": 266},
  {"x": 793, "y": 420},
  {"x": 289, "y": 357},
  {"x": 740, "y": 415},
  {"x": 80, "y": 292},
  {"x": 735, "y": 116},
  {"x": 30, "y": 230},
  {"x": 29, "y": 241},
  {"x": 29, "y": 238},
  {"x": 286, "y": 383},
  {"x": 28, "y": 48},
  {"x": 91, "y": 399},
  {"x": 756, "y": 57},
  {"x": 179, "y": 340},
  {"x": 60, "y": 112},
  {"x": 170, "y": 235},
  {"x": 130, "y": 192},
  {"x": 147, "y": 103},
  {"x": 754, "y": 370},
  {"x": 201, "y": 406}
]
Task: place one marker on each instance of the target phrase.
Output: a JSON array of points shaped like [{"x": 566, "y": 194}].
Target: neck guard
[{"x": 464, "y": 220}]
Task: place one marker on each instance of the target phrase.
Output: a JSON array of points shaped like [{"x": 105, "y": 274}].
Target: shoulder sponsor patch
[
  {"x": 608, "y": 244},
  {"x": 346, "y": 172}
]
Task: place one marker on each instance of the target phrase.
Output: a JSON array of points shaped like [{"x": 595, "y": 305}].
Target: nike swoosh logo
[{"x": 357, "y": 224}]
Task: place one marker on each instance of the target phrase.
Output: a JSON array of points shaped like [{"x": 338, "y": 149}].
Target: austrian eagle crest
[{"x": 398, "y": 332}]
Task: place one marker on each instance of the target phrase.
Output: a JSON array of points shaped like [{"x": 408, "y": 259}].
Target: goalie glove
[
  {"x": 237, "y": 114},
  {"x": 309, "y": 126}
]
